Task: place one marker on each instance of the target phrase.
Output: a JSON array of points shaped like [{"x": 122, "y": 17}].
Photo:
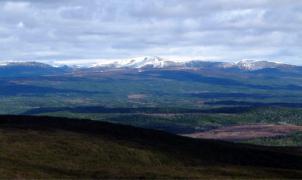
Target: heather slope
[{"x": 43, "y": 147}]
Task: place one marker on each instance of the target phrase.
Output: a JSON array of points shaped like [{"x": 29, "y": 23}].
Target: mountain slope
[
  {"x": 43, "y": 147},
  {"x": 30, "y": 69}
]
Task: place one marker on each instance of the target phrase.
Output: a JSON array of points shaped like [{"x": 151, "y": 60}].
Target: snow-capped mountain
[
  {"x": 252, "y": 65},
  {"x": 158, "y": 63},
  {"x": 145, "y": 62},
  {"x": 245, "y": 65}
]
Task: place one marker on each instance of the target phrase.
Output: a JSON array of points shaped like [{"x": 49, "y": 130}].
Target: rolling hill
[{"x": 45, "y": 147}]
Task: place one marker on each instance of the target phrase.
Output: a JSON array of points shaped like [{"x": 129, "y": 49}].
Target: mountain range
[{"x": 158, "y": 63}]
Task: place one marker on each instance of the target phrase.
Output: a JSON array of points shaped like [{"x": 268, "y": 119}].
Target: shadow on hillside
[{"x": 190, "y": 151}]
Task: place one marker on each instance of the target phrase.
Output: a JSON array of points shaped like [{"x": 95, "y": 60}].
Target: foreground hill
[{"x": 44, "y": 147}]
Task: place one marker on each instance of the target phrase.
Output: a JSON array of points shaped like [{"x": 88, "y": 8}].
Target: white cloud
[
  {"x": 20, "y": 25},
  {"x": 112, "y": 29},
  {"x": 16, "y": 7}
]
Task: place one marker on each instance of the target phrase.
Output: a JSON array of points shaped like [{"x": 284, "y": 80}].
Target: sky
[{"x": 82, "y": 31}]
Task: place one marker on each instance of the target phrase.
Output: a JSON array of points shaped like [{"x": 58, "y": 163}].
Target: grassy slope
[{"x": 42, "y": 147}]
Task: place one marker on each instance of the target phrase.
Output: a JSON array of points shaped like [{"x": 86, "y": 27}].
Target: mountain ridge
[{"x": 160, "y": 63}]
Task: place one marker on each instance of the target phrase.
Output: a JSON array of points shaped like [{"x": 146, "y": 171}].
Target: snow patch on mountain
[
  {"x": 253, "y": 65},
  {"x": 141, "y": 62}
]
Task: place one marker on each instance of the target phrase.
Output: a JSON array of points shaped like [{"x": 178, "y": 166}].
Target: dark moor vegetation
[{"x": 44, "y": 147}]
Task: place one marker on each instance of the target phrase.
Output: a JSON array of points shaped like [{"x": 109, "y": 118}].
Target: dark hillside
[{"x": 60, "y": 147}]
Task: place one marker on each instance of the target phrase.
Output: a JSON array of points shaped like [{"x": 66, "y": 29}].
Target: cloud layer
[{"x": 113, "y": 29}]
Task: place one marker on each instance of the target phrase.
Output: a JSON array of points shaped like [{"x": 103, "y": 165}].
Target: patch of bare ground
[
  {"x": 246, "y": 132},
  {"x": 136, "y": 96}
]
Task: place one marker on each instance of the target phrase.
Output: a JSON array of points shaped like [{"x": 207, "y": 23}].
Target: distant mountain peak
[
  {"x": 25, "y": 63},
  {"x": 152, "y": 62},
  {"x": 141, "y": 62},
  {"x": 252, "y": 65}
]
